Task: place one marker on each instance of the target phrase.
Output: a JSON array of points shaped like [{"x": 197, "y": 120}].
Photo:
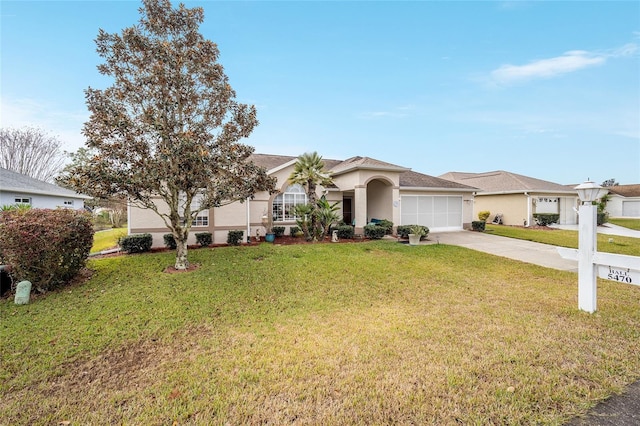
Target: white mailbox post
[{"x": 614, "y": 267}]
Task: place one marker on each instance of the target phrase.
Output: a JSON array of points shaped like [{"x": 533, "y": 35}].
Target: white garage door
[
  {"x": 631, "y": 208},
  {"x": 437, "y": 212}
]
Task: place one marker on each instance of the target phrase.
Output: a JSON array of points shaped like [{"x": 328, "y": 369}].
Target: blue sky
[{"x": 546, "y": 89}]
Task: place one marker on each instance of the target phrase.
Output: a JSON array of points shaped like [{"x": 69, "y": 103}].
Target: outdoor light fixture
[{"x": 589, "y": 192}]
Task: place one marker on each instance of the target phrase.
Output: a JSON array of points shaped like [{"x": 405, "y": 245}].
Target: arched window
[{"x": 285, "y": 203}]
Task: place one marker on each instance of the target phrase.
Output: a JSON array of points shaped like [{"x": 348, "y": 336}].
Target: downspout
[
  {"x": 128, "y": 217},
  {"x": 248, "y": 222},
  {"x": 527, "y": 224}
]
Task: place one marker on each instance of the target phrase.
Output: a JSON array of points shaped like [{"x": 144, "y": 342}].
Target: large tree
[
  {"x": 169, "y": 126},
  {"x": 32, "y": 152},
  {"x": 309, "y": 172}
]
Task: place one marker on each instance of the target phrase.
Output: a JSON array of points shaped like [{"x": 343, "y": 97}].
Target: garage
[
  {"x": 631, "y": 208},
  {"x": 437, "y": 212}
]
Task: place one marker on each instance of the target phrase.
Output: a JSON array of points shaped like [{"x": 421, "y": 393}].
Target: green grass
[
  {"x": 104, "y": 240},
  {"x": 627, "y": 223},
  {"x": 366, "y": 333},
  {"x": 564, "y": 238}
]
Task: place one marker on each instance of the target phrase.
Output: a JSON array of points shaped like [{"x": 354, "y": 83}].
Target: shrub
[
  {"x": 544, "y": 219},
  {"x": 385, "y": 224},
  {"x": 169, "y": 241},
  {"x": 403, "y": 231},
  {"x": 46, "y": 247},
  {"x": 374, "y": 232},
  {"x": 278, "y": 231},
  {"x": 136, "y": 243},
  {"x": 478, "y": 225},
  {"x": 204, "y": 238},
  {"x": 234, "y": 237},
  {"x": 484, "y": 215},
  {"x": 345, "y": 232},
  {"x": 294, "y": 231},
  {"x": 602, "y": 218}
]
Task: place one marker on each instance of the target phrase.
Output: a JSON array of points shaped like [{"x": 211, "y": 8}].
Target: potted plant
[
  {"x": 267, "y": 222},
  {"x": 416, "y": 232}
]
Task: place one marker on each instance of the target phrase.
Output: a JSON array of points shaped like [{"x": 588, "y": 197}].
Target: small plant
[
  {"x": 169, "y": 241},
  {"x": 234, "y": 237},
  {"x": 484, "y": 215},
  {"x": 403, "y": 231},
  {"x": 374, "y": 232},
  {"x": 544, "y": 219},
  {"x": 345, "y": 232},
  {"x": 295, "y": 231},
  {"x": 136, "y": 243},
  {"x": 278, "y": 230},
  {"x": 417, "y": 230},
  {"x": 204, "y": 238},
  {"x": 478, "y": 225}
]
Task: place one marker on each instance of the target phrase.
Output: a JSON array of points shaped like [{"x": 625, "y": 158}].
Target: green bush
[
  {"x": 403, "y": 231},
  {"x": 234, "y": 238},
  {"x": 478, "y": 225},
  {"x": 46, "y": 247},
  {"x": 544, "y": 219},
  {"x": 385, "y": 224},
  {"x": 169, "y": 241},
  {"x": 345, "y": 232},
  {"x": 136, "y": 243},
  {"x": 602, "y": 218},
  {"x": 294, "y": 231},
  {"x": 204, "y": 238},
  {"x": 484, "y": 215},
  {"x": 374, "y": 232},
  {"x": 278, "y": 230}
]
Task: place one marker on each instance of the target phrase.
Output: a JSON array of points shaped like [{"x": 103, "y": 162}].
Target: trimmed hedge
[
  {"x": 478, "y": 225},
  {"x": 169, "y": 241},
  {"x": 294, "y": 231},
  {"x": 136, "y": 243},
  {"x": 345, "y": 232},
  {"x": 278, "y": 230},
  {"x": 234, "y": 237},
  {"x": 204, "y": 238},
  {"x": 403, "y": 231},
  {"x": 374, "y": 232},
  {"x": 544, "y": 219},
  {"x": 46, "y": 247}
]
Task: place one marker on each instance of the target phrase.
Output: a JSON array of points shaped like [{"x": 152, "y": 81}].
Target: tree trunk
[{"x": 181, "y": 254}]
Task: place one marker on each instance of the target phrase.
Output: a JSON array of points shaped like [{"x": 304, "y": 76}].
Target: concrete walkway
[{"x": 618, "y": 410}]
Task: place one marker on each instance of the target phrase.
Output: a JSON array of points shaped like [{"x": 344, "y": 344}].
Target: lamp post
[{"x": 588, "y": 192}]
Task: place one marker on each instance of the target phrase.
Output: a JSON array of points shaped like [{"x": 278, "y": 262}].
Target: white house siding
[
  {"x": 437, "y": 212},
  {"x": 39, "y": 201}
]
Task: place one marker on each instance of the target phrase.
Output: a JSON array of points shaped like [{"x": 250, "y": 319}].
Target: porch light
[{"x": 589, "y": 192}]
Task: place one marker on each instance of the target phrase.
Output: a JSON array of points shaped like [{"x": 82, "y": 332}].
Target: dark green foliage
[
  {"x": 387, "y": 225},
  {"x": 294, "y": 231},
  {"x": 169, "y": 241},
  {"x": 603, "y": 217},
  {"x": 46, "y": 247},
  {"x": 204, "y": 238},
  {"x": 345, "y": 232},
  {"x": 278, "y": 230},
  {"x": 403, "y": 231},
  {"x": 544, "y": 219},
  {"x": 234, "y": 237},
  {"x": 374, "y": 232},
  {"x": 478, "y": 225},
  {"x": 136, "y": 243}
]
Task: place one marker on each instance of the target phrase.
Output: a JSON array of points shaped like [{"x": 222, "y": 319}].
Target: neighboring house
[
  {"x": 518, "y": 197},
  {"x": 16, "y": 188},
  {"x": 365, "y": 189},
  {"x": 624, "y": 201}
]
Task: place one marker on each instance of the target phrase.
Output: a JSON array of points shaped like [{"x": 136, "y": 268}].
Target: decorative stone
[
  {"x": 334, "y": 237},
  {"x": 23, "y": 291}
]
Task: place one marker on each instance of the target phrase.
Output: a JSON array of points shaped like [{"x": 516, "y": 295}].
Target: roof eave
[{"x": 39, "y": 192}]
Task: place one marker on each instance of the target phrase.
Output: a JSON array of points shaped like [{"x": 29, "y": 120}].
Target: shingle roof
[
  {"x": 504, "y": 182},
  {"x": 354, "y": 163},
  {"x": 12, "y": 181},
  {"x": 413, "y": 179},
  {"x": 626, "y": 190}
]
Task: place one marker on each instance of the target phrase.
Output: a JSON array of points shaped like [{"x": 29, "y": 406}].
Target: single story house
[
  {"x": 365, "y": 189},
  {"x": 624, "y": 201},
  {"x": 16, "y": 188},
  {"x": 517, "y": 198}
]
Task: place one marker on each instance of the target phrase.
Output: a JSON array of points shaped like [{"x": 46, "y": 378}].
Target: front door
[{"x": 347, "y": 213}]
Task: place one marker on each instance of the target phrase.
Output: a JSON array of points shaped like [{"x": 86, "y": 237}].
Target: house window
[
  {"x": 202, "y": 219},
  {"x": 284, "y": 204},
  {"x": 22, "y": 200},
  {"x": 68, "y": 203}
]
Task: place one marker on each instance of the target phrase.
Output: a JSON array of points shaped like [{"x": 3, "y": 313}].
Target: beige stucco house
[
  {"x": 518, "y": 197},
  {"x": 365, "y": 189},
  {"x": 624, "y": 201}
]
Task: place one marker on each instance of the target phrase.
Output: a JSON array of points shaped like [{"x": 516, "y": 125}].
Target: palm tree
[{"x": 309, "y": 172}]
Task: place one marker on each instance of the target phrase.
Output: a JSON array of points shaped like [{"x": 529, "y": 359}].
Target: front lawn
[
  {"x": 627, "y": 223},
  {"x": 360, "y": 333},
  {"x": 107, "y": 239},
  {"x": 564, "y": 238}
]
